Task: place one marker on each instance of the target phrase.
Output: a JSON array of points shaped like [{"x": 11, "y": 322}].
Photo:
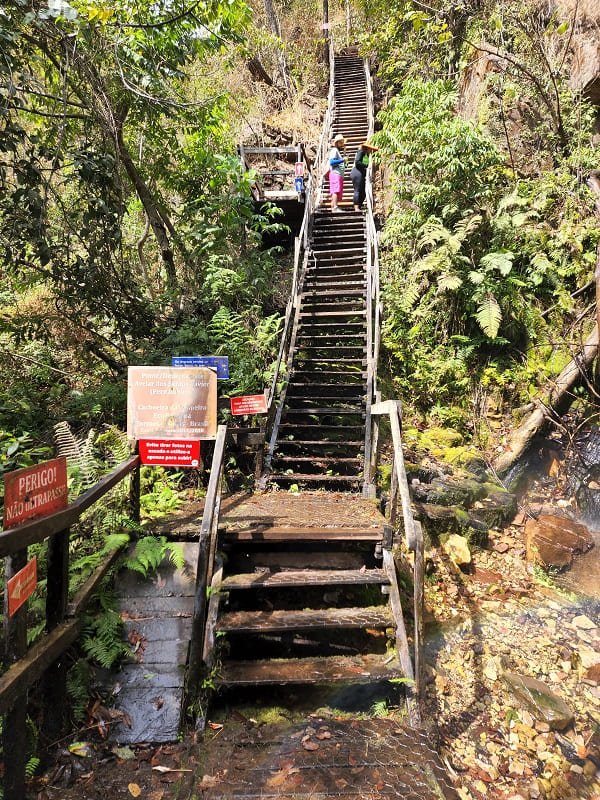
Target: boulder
[
  {"x": 454, "y": 492},
  {"x": 439, "y": 520},
  {"x": 457, "y": 549},
  {"x": 552, "y": 541},
  {"x": 496, "y": 509},
  {"x": 540, "y": 700}
]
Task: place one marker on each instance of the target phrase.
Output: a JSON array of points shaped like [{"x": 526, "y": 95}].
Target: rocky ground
[{"x": 484, "y": 628}]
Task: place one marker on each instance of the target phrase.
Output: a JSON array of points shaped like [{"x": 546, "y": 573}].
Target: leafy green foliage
[
  {"x": 150, "y": 552},
  {"x": 102, "y": 637}
]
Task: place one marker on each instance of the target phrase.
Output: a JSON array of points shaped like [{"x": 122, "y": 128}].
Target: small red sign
[
  {"x": 249, "y": 404},
  {"x": 35, "y": 491},
  {"x": 299, "y": 169},
  {"x": 21, "y": 586},
  {"x": 170, "y": 452}
]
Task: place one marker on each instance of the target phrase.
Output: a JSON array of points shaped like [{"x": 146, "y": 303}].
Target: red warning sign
[
  {"x": 249, "y": 404},
  {"x": 35, "y": 491},
  {"x": 21, "y": 586},
  {"x": 170, "y": 452}
]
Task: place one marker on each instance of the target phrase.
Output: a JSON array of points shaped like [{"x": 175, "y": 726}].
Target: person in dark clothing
[{"x": 359, "y": 173}]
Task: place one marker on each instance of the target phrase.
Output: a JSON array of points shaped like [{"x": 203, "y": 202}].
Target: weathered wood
[
  {"x": 304, "y": 577},
  {"x": 276, "y": 151},
  {"x": 274, "y": 534},
  {"x": 134, "y": 495},
  {"x": 15, "y": 724},
  {"x": 402, "y": 647},
  {"x": 55, "y": 678},
  {"x": 346, "y": 669},
  {"x": 299, "y": 560},
  {"x": 286, "y": 620},
  {"x": 105, "y": 484},
  {"x": 214, "y": 602},
  {"x": 208, "y": 529},
  {"x": 36, "y": 530},
  {"x": 523, "y": 435},
  {"x": 418, "y": 602},
  {"x": 21, "y": 675}
]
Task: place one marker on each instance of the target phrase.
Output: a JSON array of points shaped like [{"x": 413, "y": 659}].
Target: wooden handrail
[
  {"x": 412, "y": 529},
  {"x": 36, "y": 530},
  {"x": 206, "y": 556}
]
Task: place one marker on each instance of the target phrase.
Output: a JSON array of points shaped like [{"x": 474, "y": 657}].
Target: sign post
[
  {"x": 171, "y": 403},
  {"x": 29, "y": 493}
]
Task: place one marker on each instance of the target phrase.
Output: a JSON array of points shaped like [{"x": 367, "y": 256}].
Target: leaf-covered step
[{"x": 288, "y": 619}]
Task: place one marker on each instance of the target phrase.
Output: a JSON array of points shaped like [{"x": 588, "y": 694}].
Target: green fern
[
  {"x": 489, "y": 316},
  {"x": 150, "y": 552},
  {"x": 78, "y": 681},
  {"x": 102, "y": 634}
]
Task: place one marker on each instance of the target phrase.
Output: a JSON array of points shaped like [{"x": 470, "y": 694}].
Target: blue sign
[
  {"x": 299, "y": 184},
  {"x": 218, "y": 363}
]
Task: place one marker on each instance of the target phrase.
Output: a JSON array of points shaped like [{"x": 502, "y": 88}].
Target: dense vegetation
[{"x": 491, "y": 227}]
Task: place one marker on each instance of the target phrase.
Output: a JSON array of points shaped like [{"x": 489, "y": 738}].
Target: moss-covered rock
[
  {"x": 440, "y": 438},
  {"x": 496, "y": 509},
  {"x": 452, "y": 492},
  {"x": 441, "y": 520}
]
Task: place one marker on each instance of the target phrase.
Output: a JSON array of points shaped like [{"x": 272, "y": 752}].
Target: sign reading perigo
[
  {"x": 35, "y": 492},
  {"x": 171, "y": 403}
]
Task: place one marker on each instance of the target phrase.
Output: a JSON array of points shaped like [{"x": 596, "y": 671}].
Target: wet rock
[
  {"x": 457, "y": 549},
  {"x": 453, "y": 492},
  {"x": 552, "y": 540},
  {"x": 438, "y": 520},
  {"x": 540, "y": 700},
  {"x": 496, "y": 509}
]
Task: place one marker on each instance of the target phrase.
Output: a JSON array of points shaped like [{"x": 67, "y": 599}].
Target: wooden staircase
[
  {"x": 319, "y": 432},
  {"x": 304, "y": 605}
]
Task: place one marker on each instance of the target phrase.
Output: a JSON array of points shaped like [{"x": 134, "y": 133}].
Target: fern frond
[
  {"x": 489, "y": 316},
  {"x": 501, "y": 260},
  {"x": 449, "y": 282}
]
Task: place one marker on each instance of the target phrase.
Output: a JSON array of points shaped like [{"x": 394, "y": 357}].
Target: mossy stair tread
[
  {"x": 346, "y": 669},
  {"x": 304, "y": 577},
  {"x": 291, "y": 620}
]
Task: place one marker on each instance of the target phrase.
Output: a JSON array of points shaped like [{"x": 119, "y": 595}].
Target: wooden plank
[
  {"x": 104, "y": 485},
  {"x": 304, "y": 577},
  {"x": 208, "y": 652},
  {"x": 346, "y": 669},
  {"x": 24, "y": 673},
  {"x": 418, "y": 604},
  {"x": 15, "y": 724},
  {"x": 402, "y": 647},
  {"x": 265, "y": 533},
  {"x": 288, "y": 620},
  {"x": 36, "y": 530},
  {"x": 204, "y": 556}
]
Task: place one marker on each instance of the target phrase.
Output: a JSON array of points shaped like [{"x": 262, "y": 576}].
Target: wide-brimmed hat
[
  {"x": 368, "y": 146},
  {"x": 339, "y": 139}
]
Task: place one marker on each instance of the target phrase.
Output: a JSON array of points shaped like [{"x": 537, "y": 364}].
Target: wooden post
[
  {"x": 419, "y": 588},
  {"x": 55, "y": 679},
  {"x": 134, "y": 495},
  {"x": 15, "y": 722},
  {"x": 207, "y": 529}
]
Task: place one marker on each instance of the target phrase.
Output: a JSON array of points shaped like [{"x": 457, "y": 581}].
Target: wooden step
[
  {"x": 315, "y": 459},
  {"x": 273, "y": 534},
  {"x": 291, "y": 620},
  {"x": 304, "y": 577},
  {"x": 334, "y": 669},
  {"x": 299, "y": 477},
  {"x": 320, "y": 442}
]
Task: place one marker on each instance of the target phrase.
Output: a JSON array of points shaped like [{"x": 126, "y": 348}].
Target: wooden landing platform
[
  {"x": 157, "y": 615},
  {"x": 283, "y": 509},
  {"x": 325, "y": 758}
]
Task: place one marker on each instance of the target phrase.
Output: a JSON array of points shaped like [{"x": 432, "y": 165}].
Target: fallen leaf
[
  {"x": 308, "y": 745},
  {"x": 134, "y": 790},
  {"x": 324, "y": 735},
  {"x": 282, "y": 776},
  {"x": 124, "y": 753},
  {"x": 208, "y": 782},
  {"x": 160, "y": 768},
  {"x": 81, "y": 749},
  {"x": 215, "y": 726}
]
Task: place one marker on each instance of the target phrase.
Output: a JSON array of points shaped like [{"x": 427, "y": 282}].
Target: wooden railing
[
  {"x": 25, "y": 666},
  {"x": 400, "y": 503},
  {"x": 301, "y": 247},
  {"x": 206, "y": 561},
  {"x": 373, "y": 302}
]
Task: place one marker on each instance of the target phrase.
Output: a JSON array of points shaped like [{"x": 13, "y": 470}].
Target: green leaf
[
  {"x": 450, "y": 282},
  {"x": 489, "y": 316},
  {"x": 502, "y": 261}
]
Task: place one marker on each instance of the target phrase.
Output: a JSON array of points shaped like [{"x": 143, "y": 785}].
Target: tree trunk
[
  {"x": 150, "y": 207},
  {"x": 258, "y": 72},
  {"x": 276, "y": 29},
  {"x": 522, "y": 437}
]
